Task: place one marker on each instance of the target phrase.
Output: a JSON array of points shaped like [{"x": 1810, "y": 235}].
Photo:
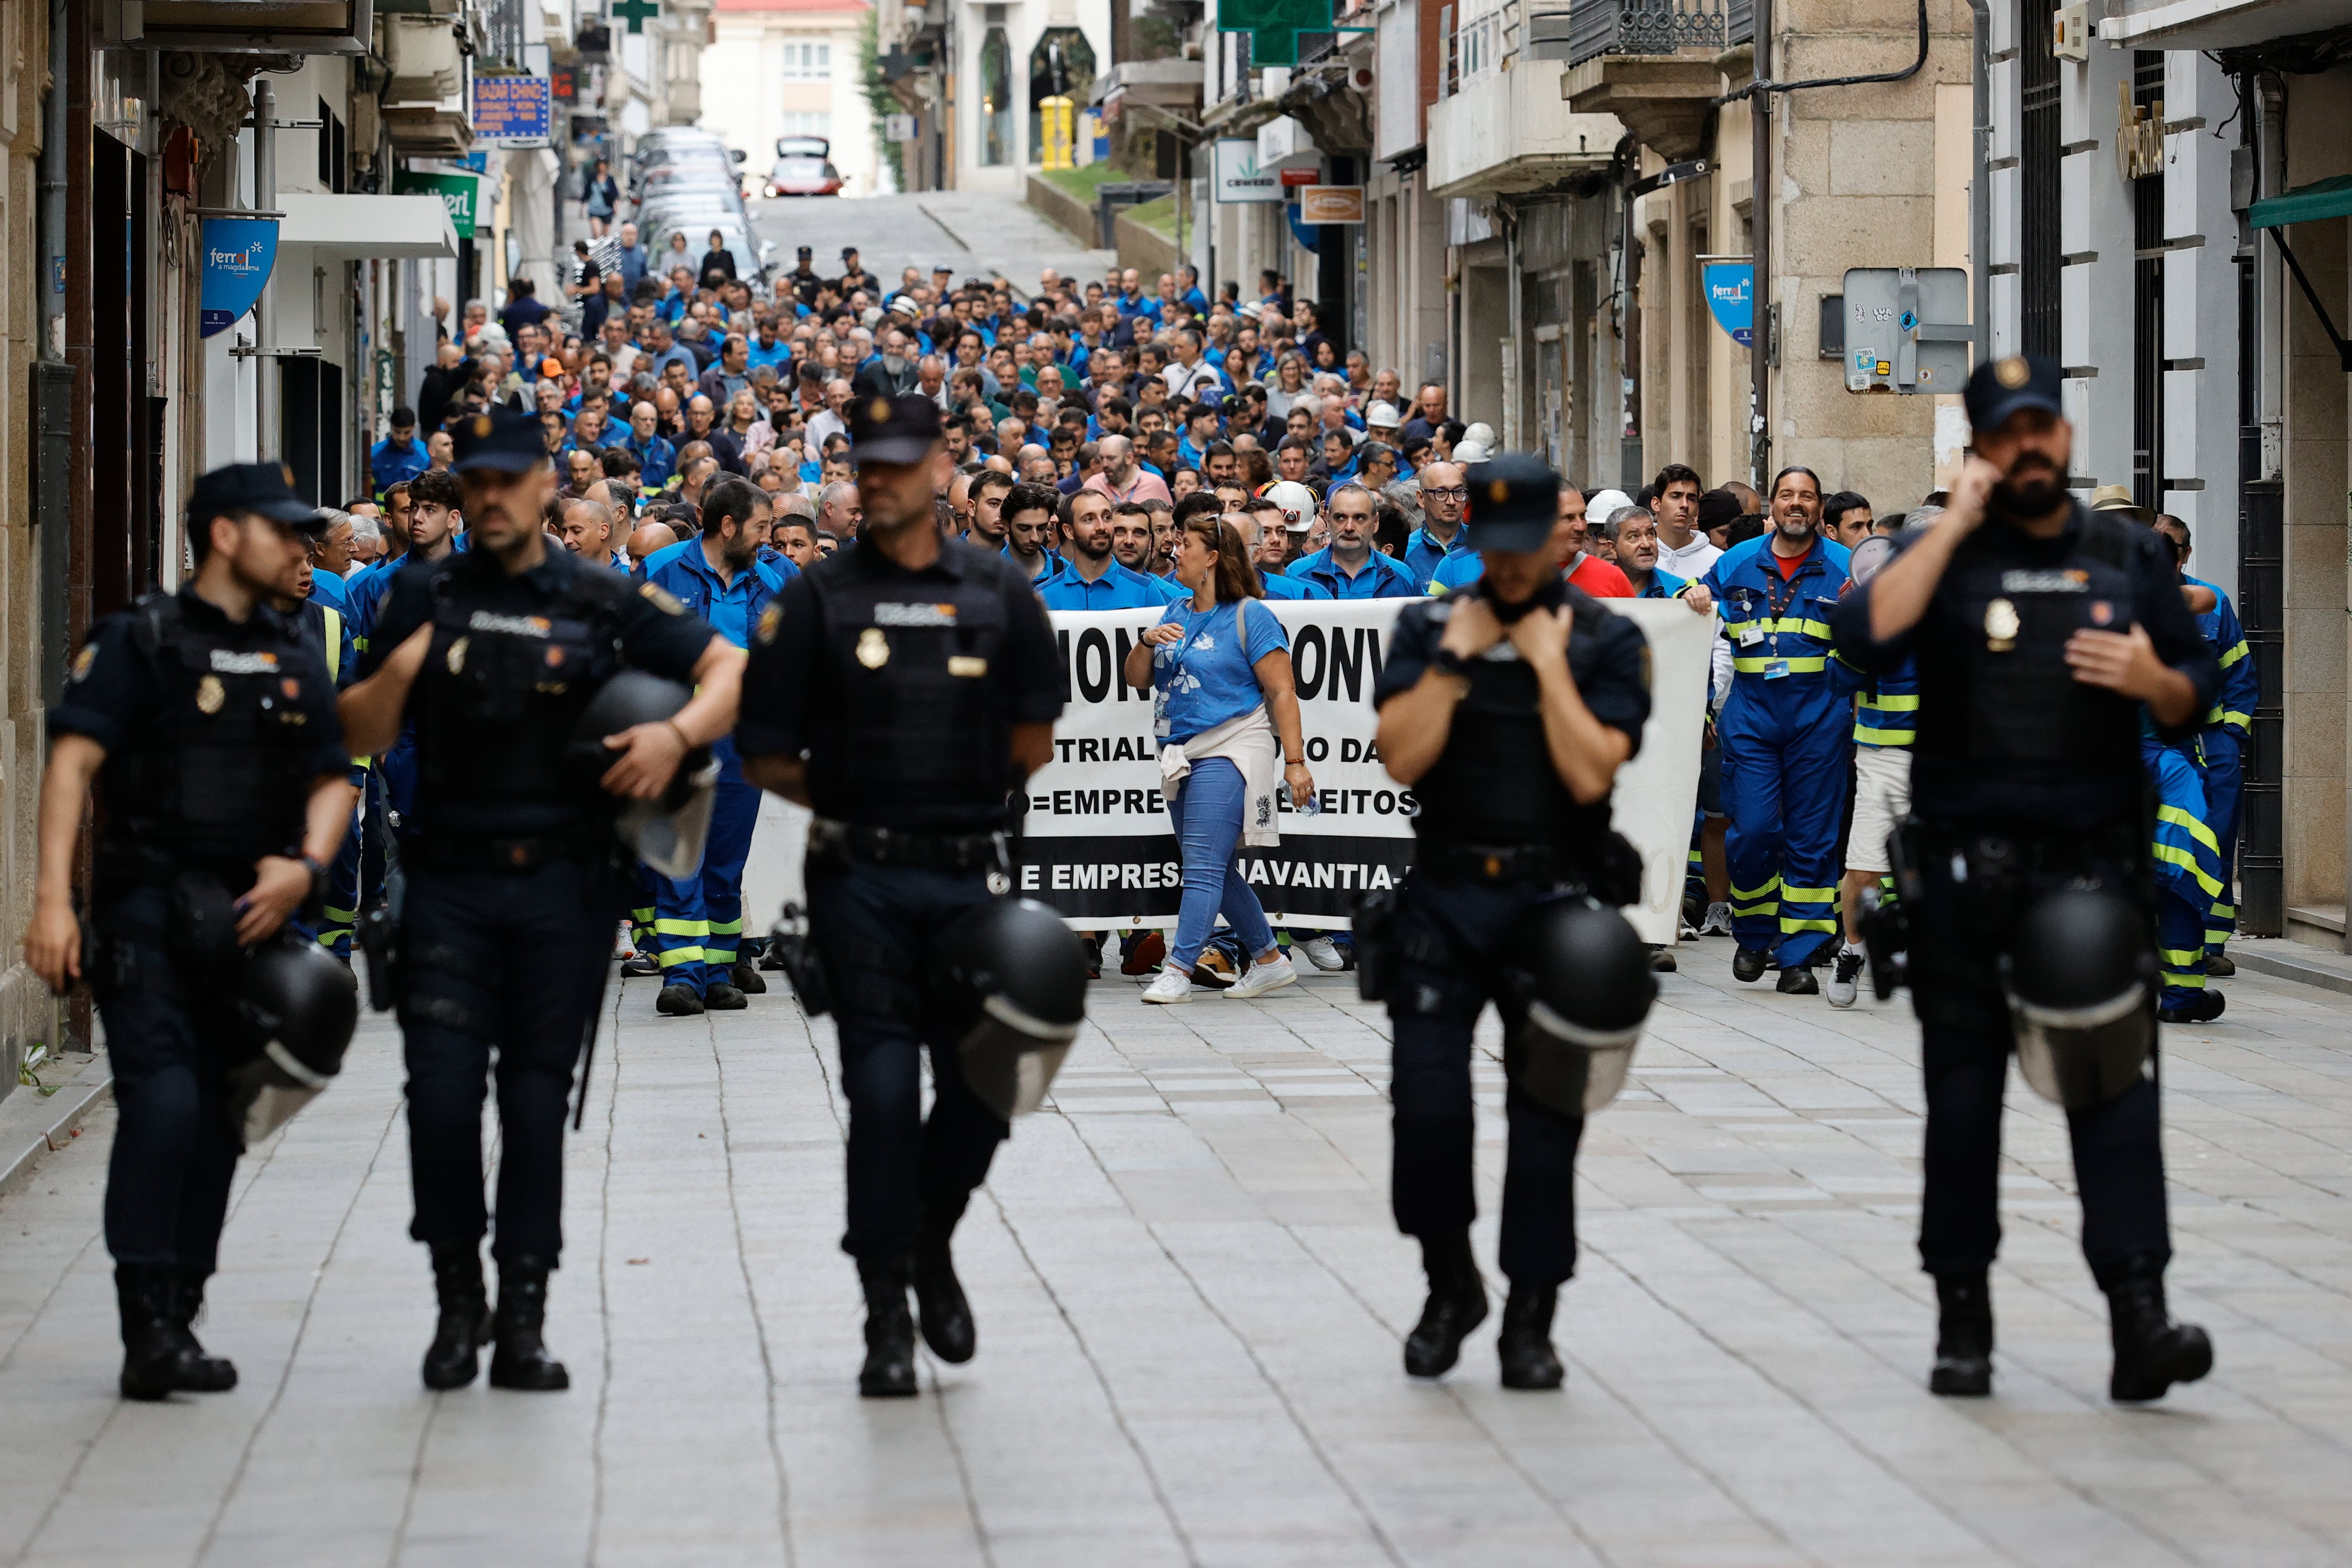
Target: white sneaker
[
  {"x": 1846, "y": 980},
  {"x": 1168, "y": 987},
  {"x": 1718, "y": 921},
  {"x": 1323, "y": 954},
  {"x": 1266, "y": 975}
]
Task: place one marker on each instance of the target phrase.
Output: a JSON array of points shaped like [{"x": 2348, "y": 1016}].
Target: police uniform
[
  {"x": 506, "y": 850},
  {"x": 215, "y": 732},
  {"x": 2029, "y": 782},
  {"x": 901, "y": 689},
  {"x": 1497, "y": 837}
]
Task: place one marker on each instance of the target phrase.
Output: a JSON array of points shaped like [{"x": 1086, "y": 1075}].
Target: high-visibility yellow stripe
[
  {"x": 1791, "y": 927},
  {"x": 2234, "y": 655},
  {"x": 2186, "y": 822},
  {"x": 1767, "y": 909},
  {"x": 670, "y": 958},
  {"x": 2223, "y": 912},
  {"x": 2182, "y": 980},
  {"x": 1813, "y": 665},
  {"x": 1809, "y": 895},
  {"x": 2241, "y": 722},
  {"x": 2175, "y": 855},
  {"x": 1898, "y": 704},
  {"x": 1756, "y": 892},
  {"x": 682, "y": 928},
  {"x": 727, "y": 928},
  {"x": 1867, "y": 736}
]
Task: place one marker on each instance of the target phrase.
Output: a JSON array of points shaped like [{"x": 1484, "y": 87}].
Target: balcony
[
  {"x": 1654, "y": 64},
  {"x": 2214, "y": 23},
  {"x": 1502, "y": 122}
]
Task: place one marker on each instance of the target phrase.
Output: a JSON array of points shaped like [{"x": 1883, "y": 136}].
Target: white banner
[{"x": 1098, "y": 846}]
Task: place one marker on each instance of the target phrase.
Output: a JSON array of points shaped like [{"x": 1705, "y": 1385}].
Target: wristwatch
[{"x": 318, "y": 869}]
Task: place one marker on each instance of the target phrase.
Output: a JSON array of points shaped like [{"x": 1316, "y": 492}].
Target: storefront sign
[
  {"x": 458, "y": 192},
  {"x": 1331, "y": 203},
  {"x": 238, "y": 254},
  {"x": 1731, "y": 295},
  {"x": 1239, "y": 178},
  {"x": 510, "y": 111},
  {"x": 1295, "y": 177}
]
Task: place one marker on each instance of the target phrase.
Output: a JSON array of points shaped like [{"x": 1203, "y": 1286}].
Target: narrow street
[
  {"x": 977, "y": 234},
  {"x": 1190, "y": 1299}
]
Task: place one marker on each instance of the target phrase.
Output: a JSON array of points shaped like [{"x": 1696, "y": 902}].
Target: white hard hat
[
  {"x": 1297, "y": 504},
  {"x": 1382, "y": 416}
]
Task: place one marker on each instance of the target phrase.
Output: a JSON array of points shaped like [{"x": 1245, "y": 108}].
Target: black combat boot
[
  {"x": 2152, "y": 1351},
  {"x": 454, "y": 1356},
  {"x": 1963, "y": 1336},
  {"x": 889, "y": 1369},
  {"x": 519, "y": 1357},
  {"x": 745, "y": 977},
  {"x": 156, "y": 1361},
  {"x": 1457, "y": 1304},
  {"x": 205, "y": 1374},
  {"x": 1529, "y": 1360},
  {"x": 940, "y": 1304}
]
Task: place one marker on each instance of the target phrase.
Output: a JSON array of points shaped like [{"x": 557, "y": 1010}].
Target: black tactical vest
[
  {"x": 915, "y": 672},
  {"x": 1495, "y": 785},
  {"x": 2023, "y": 709},
  {"x": 501, "y": 691},
  {"x": 223, "y": 775}
]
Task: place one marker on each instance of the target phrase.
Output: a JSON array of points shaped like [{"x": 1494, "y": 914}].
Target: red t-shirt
[
  {"x": 1787, "y": 564},
  {"x": 1600, "y": 578}
]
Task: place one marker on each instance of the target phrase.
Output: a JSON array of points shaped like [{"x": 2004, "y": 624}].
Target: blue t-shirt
[{"x": 1210, "y": 676}]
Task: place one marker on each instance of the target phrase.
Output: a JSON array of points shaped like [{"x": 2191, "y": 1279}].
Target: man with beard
[
  {"x": 1783, "y": 734},
  {"x": 698, "y": 918},
  {"x": 2047, "y": 638},
  {"x": 1089, "y": 578},
  {"x": 1512, "y": 752},
  {"x": 891, "y": 373},
  {"x": 1130, "y": 538},
  {"x": 910, "y": 819}
]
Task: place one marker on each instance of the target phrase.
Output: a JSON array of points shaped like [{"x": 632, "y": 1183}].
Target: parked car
[{"x": 800, "y": 174}]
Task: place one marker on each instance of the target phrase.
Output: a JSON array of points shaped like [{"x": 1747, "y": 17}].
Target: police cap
[
  {"x": 806, "y": 251},
  {"x": 1514, "y": 503},
  {"x": 901, "y": 429},
  {"x": 498, "y": 438},
  {"x": 2000, "y": 387},
  {"x": 264, "y": 488}
]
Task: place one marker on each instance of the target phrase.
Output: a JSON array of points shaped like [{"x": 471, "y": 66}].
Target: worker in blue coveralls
[
  {"x": 698, "y": 919},
  {"x": 1784, "y": 733},
  {"x": 2228, "y": 727},
  {"x": 328, "y": 628}
]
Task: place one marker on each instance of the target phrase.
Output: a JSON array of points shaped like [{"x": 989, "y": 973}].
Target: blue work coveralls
[
  {"x": 1783, "y": 736},
  {"x": 2229, "y": 725},
  {"x": 698, "y": 919},
  {"x": 2186, "y": 860}
]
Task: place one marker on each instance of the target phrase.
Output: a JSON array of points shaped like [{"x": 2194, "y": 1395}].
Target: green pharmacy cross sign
[{"x": 636, "y": 13}]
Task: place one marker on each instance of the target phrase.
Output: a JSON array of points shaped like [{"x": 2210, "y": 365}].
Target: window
[
  {"x": 2038, "y": 225},
  {"x": 995, "y": 100},
  {"x": 1061, "y": 65},
  {"x": 813, "y": 122},
  {"x": 2147, "y": 298},
  {"x": 807, "y": 60}
]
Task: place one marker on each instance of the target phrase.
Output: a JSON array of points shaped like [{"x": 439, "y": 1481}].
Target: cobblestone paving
[{"x": 1190, "y": 1300}]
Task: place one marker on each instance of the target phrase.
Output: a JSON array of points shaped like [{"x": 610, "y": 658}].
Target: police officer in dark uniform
[
  {"x": 804, "y": 277},
  {"x": 2043, "y": 633},
  {"x": 493, "y": 654},
  {"x": 1507, "y": 709},
  {"x": 903, "y": 687},
  {"x": 207, "y": 722}
]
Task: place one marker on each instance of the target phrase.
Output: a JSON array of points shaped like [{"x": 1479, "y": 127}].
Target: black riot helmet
[
  {"x": 1008, "y": 984},
  {"x": 667, "y": 834},
  {"x": 294, "y": 1010},
  {"x": 1592, "y": 993},
  {"x": 2080, "y": 975}
]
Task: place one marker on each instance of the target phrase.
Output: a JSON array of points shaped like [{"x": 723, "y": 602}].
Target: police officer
[
  {"x": 1508, "y": 706},
  {"x": 492, "y": 654},
  {"x": 2040, "y": 631},
  {"x": 207, "y": 722},
  {"x": 902, "y": 687}
]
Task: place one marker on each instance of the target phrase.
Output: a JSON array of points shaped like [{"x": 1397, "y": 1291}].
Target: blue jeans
[{"x": 1207, "y": 811}]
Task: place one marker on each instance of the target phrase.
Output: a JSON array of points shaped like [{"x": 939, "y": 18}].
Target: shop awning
[
  {"x": 2305, "y": 203},
  {"x": 364, "y": 228}
]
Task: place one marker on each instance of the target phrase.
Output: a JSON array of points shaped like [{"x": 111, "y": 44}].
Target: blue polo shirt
[
  {"x": 1381, "y": 577},
  {"x": 779, "y": 356},
  {"x": 1053, "y": 564},
  {"x": 1423, "y": 555},
  {"x": 731, "y": 608},
  {"x": 1118, "y": 588},
  {"x": 1278, "y": 586},
  {"x": 391, "y": 461}
]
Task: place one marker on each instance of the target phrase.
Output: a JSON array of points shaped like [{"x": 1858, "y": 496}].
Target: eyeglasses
[{"x": 1455, "y": 492}]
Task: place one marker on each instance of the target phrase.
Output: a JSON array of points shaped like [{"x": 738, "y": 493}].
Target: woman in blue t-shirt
[{"x": 1224, "y": 708}]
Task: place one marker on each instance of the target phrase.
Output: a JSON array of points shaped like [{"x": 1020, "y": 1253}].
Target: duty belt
[
  {"x": 842, "y": 842},
  {"x": 439, "y": 853},
  {"x": 1490, "y": 862}
]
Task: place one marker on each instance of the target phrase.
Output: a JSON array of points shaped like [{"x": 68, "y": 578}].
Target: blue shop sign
[
  {"x": 1731, "y": 295},
  {"x": 238, "y": 254}
]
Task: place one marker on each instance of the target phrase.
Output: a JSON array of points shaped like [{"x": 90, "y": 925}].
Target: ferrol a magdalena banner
[{"x": 1098, "y": 846}]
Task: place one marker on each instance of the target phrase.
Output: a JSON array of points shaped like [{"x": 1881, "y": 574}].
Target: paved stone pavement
[
  {"x": 1190, "y": 1300},
  {"x": 975, "y": 233}
]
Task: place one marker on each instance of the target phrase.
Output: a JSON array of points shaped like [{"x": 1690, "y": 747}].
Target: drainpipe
[
  {"x": 265, "y": 334},
  {"x": 1980, "y": 182},
  {"x": 1515, "y": 383},
  {"x": 1760, "y": 208}
]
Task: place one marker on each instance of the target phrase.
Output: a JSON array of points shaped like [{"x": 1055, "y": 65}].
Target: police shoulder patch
[
  {"x": 662, "y": 599},
  {"x": 83, "y": 660},
  {"x": 769, "y": 619}
]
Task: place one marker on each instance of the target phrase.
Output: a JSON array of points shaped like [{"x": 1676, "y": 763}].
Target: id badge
[
  {"x": 1751, "y": 636},
  {"x": 1776, "y": 669}
]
